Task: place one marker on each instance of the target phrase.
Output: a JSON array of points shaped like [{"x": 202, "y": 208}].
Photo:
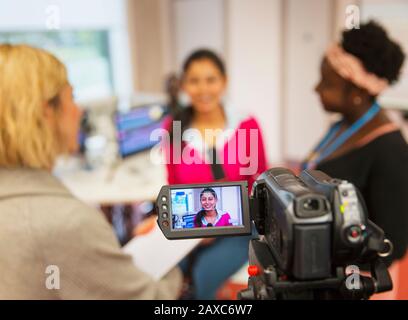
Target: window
[{"x": 85, "y": 53}]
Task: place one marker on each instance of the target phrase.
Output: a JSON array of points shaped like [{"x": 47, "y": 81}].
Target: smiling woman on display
[{"x": 209, "y": 216}]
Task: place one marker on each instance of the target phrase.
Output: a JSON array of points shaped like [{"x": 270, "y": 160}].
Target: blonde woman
[{"x": 53, "y": 246}]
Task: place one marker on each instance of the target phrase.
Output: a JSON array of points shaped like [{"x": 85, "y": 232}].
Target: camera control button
[
  {"x": 253, "y": 271},
  {"x": 354, "y": 234}
]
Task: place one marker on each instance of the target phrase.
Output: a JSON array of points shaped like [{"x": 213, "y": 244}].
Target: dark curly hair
[{"x": 378, "y": 53}]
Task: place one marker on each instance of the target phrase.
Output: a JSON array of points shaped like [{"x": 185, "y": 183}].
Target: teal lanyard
[{"x": 341, "y": 139}]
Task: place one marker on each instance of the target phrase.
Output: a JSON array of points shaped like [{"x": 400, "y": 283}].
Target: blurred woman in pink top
[{"x": 212, "y": 142}]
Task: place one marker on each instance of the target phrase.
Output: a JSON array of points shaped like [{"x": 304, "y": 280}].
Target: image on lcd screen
[{"x": 206, "y": 207}]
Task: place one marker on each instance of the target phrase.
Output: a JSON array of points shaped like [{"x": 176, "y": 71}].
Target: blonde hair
[{"x": 29, "y": 79}]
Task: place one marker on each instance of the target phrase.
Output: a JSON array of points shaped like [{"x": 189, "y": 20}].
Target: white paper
[{"x": 156, "y": 255}]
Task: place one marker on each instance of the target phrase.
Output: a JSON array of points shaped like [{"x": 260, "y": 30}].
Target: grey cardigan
[{"x": 52, "y": 246}]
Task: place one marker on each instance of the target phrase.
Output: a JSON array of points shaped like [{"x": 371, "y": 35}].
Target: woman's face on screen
[
  {"x": 205, "y": 85},
  {"x": 208, "y": 201}
]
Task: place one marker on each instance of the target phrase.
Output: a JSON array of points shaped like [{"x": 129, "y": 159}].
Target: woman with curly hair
[{"x": 365, "y": 147}]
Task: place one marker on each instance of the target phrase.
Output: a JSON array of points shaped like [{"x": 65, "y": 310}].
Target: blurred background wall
[{"x": 272, "y": 48}]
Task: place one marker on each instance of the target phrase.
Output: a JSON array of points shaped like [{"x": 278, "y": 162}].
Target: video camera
[{"x": 311, "y": 228}]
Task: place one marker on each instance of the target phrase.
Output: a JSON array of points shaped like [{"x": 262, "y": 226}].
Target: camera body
[
  {"x": 310, "y": 222},
  {"x": 296, "y": 224},
  {"x": 311, "y": 227}
]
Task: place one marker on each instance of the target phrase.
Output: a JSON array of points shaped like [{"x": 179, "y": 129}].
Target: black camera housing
[
  {"x": 296, "y": 223},
  {"x": 311, "y": 227}
]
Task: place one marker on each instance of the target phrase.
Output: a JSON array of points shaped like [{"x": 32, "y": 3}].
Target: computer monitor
[{"x": 135, "y": 126}]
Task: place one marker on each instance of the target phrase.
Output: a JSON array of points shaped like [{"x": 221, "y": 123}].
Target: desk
[
  {"x": 130, "y": 180},
  {"x": 116, "y": 189}
]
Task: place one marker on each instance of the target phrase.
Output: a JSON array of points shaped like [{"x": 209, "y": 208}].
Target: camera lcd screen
[{"x": 206, "y": 207}]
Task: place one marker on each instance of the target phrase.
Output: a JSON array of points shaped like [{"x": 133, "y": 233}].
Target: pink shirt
[
  {"x": 223, "y": 221},
  {"x": 185, "y": 173}
]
